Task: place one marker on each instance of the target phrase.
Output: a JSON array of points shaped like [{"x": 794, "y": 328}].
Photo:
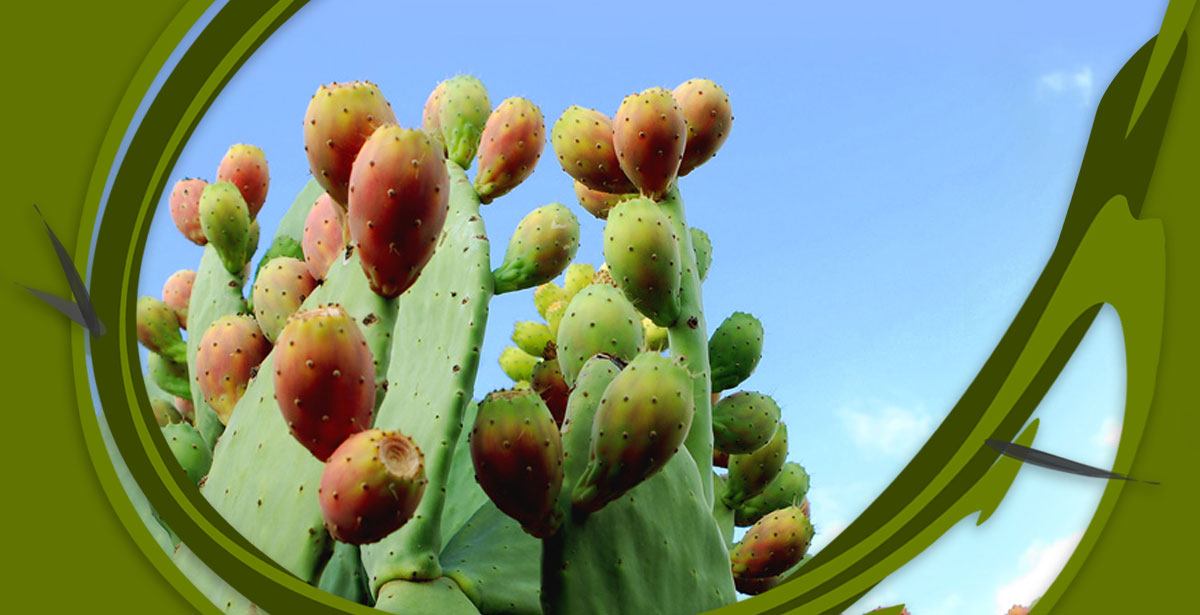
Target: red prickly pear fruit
[
  {"x": 596, "y": 202},
  {"x": 323, "y": 240},
  {"x": 734, "y": 350},
  {"x": 158, "y": 329},
  {"x": 399, "y": 200},
  {"x": 642, "y": 420},
  {"x": 754, "y": 587},
  {"x": 547, "y": 381},
  {"x": 543, "y": 245},
  {"x": 340, "y": 118},
  {"x": 185, "y": 209},
  {"x": 517, "y": 452},
  {"x": 227, "y": 358},
  {"x": 720, "y": 460},
  {"x": 324, "y": 378},
  {"x": 777, "y": 542},
  {"x": 177, "y": 292},
  {"x": 429, "y": 117},
  {"x": 226, "y": 223},
  {"x": 245, "y": 166},
  {"x": 706, "y": 109},
  {"x": 649, "y": 135},
  {"x": 371, "y": 486},
  {"x": 750, "y": 474},
  {"x": 642, "y": 253},
  {"x": 509, "y": 147},
  {"x": 598, "y": 320},
  {"x": 279, "y": 290},
  {"x": 1015, "y": 610},
  {"x": 186, "y": 409},
  {"x": 583, "y": 143},
  {"x": 744, "y": 422},
  {"x": 462, "y": 114}
]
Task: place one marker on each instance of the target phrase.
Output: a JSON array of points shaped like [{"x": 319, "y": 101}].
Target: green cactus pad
[
  {"x": 496, "y": 564},
  {"x": 598, "y": 320},
  {"x": 744, "y": 422},
  {"x": 189, "y": 449},
  {"x": 750, "y": 474},
  {"x": 344, "y": 576},
  {"x": 440, "y": 596},
  {"x": 734, "y": 350}
]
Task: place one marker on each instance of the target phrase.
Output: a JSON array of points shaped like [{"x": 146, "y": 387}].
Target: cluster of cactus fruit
[{"x": 328, "y": 412}]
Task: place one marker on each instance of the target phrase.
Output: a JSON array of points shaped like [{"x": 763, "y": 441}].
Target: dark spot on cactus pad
[{"x": 693, "y": 322}]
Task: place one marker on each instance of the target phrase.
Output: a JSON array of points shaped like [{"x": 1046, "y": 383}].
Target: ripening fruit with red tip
[
  {"x": 371, "y": 486},
  {"x": 649, "y": 136},
  {"x": 339, "y": 119},
  {"x": 245, "y": 166},
  {"x": 185, "y": 209},
  {"x": 709, "y": 117}
]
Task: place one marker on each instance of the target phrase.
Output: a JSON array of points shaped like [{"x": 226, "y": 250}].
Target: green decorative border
[{"x": 1119, "y": 245}]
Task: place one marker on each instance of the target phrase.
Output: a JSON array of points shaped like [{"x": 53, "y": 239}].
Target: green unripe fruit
[
  {"x": 463, "y": 111},
  {"x": 225, "y": 218},
  {"x": 598, "y": 320},
  {"x": 189, "y": 449},
  {"x": 744, "y": 422},
  {"x": 642, "y": 253},
  {"x": 789, "y": 488},
  {"x": 734, "y": 350},
  {"x": 517, "y": 364},
  {"x": 543, "y": 245},
  {"x": 532, "y": 337},
  {"x": 750, "y": 474}
]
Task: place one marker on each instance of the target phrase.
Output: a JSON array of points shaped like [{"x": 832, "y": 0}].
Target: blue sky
[{"x": 895, "y": 179}]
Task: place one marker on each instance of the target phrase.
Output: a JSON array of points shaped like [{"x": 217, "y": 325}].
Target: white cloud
[
  {"x": 1040, "y": 564},
  {"x": 828, "y": 516},
  {"x": 1110, "y": 433},
  {"x": 1060, "y": 82},
  {"x": 889, "y": 429}
]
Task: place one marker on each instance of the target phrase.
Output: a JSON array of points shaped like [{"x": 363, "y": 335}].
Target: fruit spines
[
  {"x": 339, "y": 119},
  {"x": 324, "y": 378},
  {"x": 462, "y": 113},
  {"x": 517, "y": 453},
  {"x": 543, "y": 244},
  {"x": 709, "y": 117},
  {"x": 225, "y": 219},
  {"x": 509, "y": 148},
  {"x": 371, "y": 486},
  {"x": 642, "y": 253},
  {"x": 649, "y": 136},
  {"x": 643, "y": 418},
  {"x": 399, "y": 199},
  {"x": 245, "y": 166}
]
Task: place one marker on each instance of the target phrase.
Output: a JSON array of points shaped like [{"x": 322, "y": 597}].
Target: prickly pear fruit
[
  {"x": 186, "y": 409},
  {"x": 576, "y": 278},
  {"x": 339, "y": 119},
  {"x": 598, "y": 320},
  {"x": 706, "y": 109},
  {"x": 642, "y": 420},
  {"x": 252, "y": 244},
  {"x": 462, "y": 113},
  {"x": 542, "y": 246},
  {"x": 702, "y": 247},
  {"x": 604, "y": 276},
  {"x": 750, "y": 474},
  {"x": 227, "y": 358},
  {"x": 649, "y": 135},
  {"x": 177, "y": 292},
  {"x": 279, "y": 290},
  {"x": 518, "y": 456},
  {"x": 754, "y": 586},
  {"x": 323, "y": 242},
  {"x": 371, "y": 486},
  {"x": 777, "y": 542},
  {"x": 583, "y": 142},
  {"x": 509, "y": 148},
  {"x": 517, "y": 364},
  {"x": 158, "y": 329},
  {"x": 546, "y": 294},
  {"x": 185, "y": 209},
  {"x": 720, "y": 460},
  {"x": 547, "y": 381},
  {"x": 734, "y": 350},
  {"x": 282, "y": 246},
  {"x": 642, "y": 252},
  {"x": 164, "y": 412},
  {"x": 399, "y": 199},
  {"x": 554, "y": 315},
  {"x": 324, "y": 378},
  {"x": 532, "y": 337},
  {"x": 226, "y": 223},
  {"x": 598, "y": 203},
  {"x": 245, "y": 166},
  {"x": 744, "y": 422},
  {"x": 429, "y": 117},
  {"x": 170, "y": 376},
  {"x": 788, "y": 488},
  {"x": 656, "y": 339},
  {"x": 189, "y": 450}
]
